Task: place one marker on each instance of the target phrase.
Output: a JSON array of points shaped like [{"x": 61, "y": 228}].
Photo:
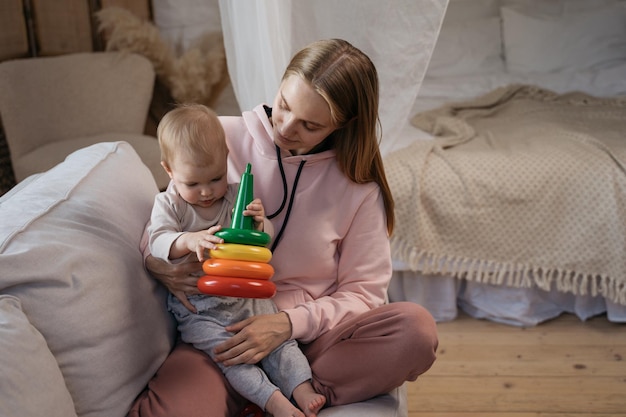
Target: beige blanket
[{"x": 522, "y": 187}]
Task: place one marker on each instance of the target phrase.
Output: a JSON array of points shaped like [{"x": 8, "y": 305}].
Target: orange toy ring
[
  {"x": 236, "y": 287},
  {"x": 238, "y": 269}
]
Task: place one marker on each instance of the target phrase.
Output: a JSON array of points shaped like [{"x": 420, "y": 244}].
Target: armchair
[{"x": 53, "y": 106}]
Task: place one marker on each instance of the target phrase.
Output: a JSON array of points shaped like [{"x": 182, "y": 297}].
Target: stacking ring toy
[
  {"x": 239, "y": 252},
  {"x": 236, "y": 287},
  {"x": 237, "y": 269},
  {"x": 244, "y": 236}
]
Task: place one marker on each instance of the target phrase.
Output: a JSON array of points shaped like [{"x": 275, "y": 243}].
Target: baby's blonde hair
[{"x": 193, "y": 130}]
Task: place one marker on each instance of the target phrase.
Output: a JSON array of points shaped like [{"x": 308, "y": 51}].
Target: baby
[{"x": 185, "y": 218}]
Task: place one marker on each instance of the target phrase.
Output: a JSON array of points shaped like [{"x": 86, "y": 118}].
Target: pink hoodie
[{"x": 333, "y": 260}]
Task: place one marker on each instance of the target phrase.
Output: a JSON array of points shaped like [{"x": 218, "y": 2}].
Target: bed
[{"x": 510, "y": 182}]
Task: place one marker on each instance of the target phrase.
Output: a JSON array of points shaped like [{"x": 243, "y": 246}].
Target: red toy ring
[
  {"x": 237, "y": 269},
  {"x": 236, "y": 287}
]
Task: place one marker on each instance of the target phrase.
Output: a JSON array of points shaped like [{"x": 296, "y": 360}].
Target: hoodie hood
[{"x": 259, "y": 125}]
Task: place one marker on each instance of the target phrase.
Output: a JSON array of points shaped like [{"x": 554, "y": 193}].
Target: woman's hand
[
  {"x": 254, "y": 339},
  {"x": 176, "y": 278}
]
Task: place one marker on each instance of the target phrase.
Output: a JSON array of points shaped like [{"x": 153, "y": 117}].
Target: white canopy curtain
[{"x": 398, "y": 35}]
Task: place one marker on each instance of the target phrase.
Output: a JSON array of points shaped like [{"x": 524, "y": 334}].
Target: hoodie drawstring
[{"x": 291, "y": 198}]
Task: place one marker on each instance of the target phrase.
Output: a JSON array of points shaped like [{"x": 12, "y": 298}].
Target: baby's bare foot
[
  {"x": 279, "y": 406},
  {"x": 309, "y": 401}
]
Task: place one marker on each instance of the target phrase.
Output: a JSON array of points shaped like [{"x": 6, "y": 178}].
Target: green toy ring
[{"x": 244, "y": 236}]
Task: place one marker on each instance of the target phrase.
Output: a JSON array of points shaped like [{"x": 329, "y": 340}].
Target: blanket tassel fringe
[{"x": 512, "y": 274}]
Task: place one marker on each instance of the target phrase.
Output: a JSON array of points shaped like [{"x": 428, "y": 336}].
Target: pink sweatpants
[{"x": 361, "y": 358}]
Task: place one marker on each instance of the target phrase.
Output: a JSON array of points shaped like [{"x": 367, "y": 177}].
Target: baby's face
[{"x": 199, "y": 185}]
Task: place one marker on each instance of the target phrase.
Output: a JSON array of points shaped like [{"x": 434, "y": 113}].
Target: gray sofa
[{"x": 83, "y": 326}]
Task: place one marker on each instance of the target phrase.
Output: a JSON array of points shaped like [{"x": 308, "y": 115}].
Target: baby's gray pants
[{"x": 285, "y": 368}]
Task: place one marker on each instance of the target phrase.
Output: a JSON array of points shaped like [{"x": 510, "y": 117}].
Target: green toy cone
[
  {"x": 245, "y": 195},
  {"x": 241, "y": 228}
]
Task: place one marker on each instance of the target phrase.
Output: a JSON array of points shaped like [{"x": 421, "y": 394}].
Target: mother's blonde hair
[{"x": 347, "y": 79}]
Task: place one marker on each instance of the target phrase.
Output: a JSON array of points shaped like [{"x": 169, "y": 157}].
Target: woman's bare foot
[
  {"x": 279, "y": 406},
  {"x": 308, "y": 400}
]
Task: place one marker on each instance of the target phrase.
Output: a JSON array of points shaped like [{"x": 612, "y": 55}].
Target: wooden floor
[{"x": 560, "y": 368}]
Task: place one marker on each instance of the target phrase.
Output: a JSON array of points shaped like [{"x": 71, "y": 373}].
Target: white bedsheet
[{"x": 443, "y": 296}]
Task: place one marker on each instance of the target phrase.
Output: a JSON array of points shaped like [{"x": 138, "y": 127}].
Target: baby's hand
[
  {"x": 256, "y": 210},
  {"x": 203, "y": 240}
]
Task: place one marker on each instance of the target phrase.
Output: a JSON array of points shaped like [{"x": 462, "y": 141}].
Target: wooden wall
[{"x": 30, "y": 28}]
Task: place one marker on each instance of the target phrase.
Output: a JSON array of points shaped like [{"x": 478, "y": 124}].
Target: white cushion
[
  {"x": 70, "y": 252},
  {"x": 572, "y": 40},
  {"x": 31, "y": 383},
  {"x": 393, "y": 404}
]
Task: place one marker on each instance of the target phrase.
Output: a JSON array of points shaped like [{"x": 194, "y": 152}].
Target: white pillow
[
  {"x": 571, "y": 41},
  {"x": 31, "y": 382},
  {"x": 70, "y": 251},
  {"x": 467, "y": 48}
]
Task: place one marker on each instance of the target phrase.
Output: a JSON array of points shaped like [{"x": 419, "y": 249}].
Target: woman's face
[{"x": 301, "y": 117}]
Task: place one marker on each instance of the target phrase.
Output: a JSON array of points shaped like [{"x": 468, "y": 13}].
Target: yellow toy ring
[
  {"x": 244, "y": 236},
  {"x": 236, "y": 287},
  {"x": 238, "y": 269},
  {"x": 241, "y": 252}
]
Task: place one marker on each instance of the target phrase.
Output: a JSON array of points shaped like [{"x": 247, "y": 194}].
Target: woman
[{"x": 318, "y": 169}]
